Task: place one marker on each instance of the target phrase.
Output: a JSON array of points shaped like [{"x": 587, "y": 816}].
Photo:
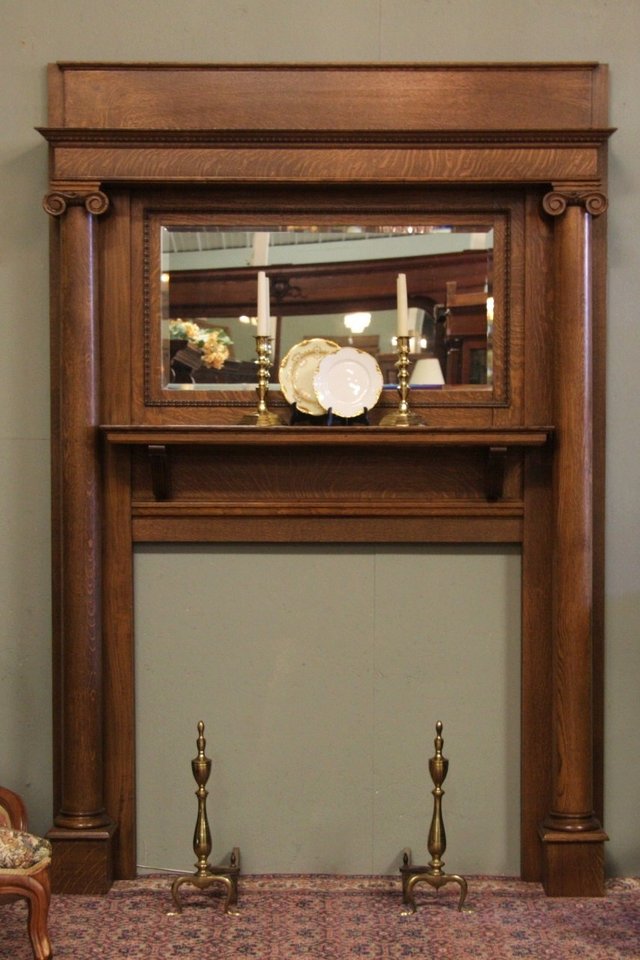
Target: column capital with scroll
[
  {"x": 60, "y": 198},
  {"x": 592, "y": 200}
]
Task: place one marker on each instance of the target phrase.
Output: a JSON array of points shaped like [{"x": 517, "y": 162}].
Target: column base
[
  {"x": 82, "y": 860},
  {"x": 572, "y": 863}
]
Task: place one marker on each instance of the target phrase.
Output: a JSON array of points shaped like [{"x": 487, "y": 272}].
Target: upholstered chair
[{"x": 24, "y": 869}]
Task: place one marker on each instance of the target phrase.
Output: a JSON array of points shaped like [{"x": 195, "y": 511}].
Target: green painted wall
[{"x": 293, "y": 30}]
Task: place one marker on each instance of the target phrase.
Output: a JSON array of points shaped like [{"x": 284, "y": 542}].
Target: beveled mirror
[{"x": 328, "y": 281}]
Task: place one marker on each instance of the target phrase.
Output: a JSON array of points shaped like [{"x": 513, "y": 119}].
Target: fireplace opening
[{"x": 320, "y": 672}]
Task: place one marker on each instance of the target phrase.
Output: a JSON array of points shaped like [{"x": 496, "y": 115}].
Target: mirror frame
[{"x": 506, "y": 217}]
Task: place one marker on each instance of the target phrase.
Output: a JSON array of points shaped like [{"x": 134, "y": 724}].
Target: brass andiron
[
  {"x": 403, "y": 416},
  {"x": 434, "y": 873},
  {"x": 262, "y": 417},
  {"x": 205, "y": 874}
]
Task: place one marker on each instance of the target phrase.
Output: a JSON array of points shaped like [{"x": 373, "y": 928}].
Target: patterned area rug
[{"x": 335, "y": 918}]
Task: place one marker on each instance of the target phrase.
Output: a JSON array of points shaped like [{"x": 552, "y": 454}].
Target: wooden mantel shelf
[
  {"x": 159, "y": 439},
  {"x": 326, "y": 436}
]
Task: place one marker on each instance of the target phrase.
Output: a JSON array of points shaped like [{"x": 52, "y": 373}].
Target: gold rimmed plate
[{"x": 298, "y": 369}]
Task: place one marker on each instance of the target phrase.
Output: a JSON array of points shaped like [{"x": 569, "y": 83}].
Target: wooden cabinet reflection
[{"x": 463, "y": 337}]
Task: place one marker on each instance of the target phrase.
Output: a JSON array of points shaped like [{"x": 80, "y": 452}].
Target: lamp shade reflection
[{"x": 427, "y": 372}]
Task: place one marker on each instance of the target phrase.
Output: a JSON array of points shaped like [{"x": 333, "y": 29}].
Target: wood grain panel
[
  {"x": 332, "y": 97},
  {"x": 300, "y": 164},
  {"x": 350, "y": 529},
  {"x": 297, "y": 480}
]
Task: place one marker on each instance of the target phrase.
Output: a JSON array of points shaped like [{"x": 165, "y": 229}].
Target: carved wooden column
[
  {"x": 82, "y": 834},
  {"x": 573, "y": 840}
]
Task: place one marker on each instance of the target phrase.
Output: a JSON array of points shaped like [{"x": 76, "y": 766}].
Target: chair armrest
[{"x": 13, "y": 805}]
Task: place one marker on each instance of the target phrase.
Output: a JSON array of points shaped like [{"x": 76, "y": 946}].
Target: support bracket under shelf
[
  {"x": 496, "y": 470},
  {"x": 159, "y": 462}
]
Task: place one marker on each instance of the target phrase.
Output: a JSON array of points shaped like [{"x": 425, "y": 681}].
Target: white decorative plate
[
  {"x": 348, "y": 382},
  {"x": 298, "y": 369}
]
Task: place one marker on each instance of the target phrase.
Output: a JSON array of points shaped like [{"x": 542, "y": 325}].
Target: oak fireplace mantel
[{"x": 517, "y": 150}]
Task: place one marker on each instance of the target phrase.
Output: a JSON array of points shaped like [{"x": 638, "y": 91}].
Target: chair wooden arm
[
  {"x": 33, "y": 885},
  {"x": 15, "y": 809}
]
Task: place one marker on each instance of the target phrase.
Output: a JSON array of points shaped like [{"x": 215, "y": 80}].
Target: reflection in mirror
[{"x": 325, "y": 281}]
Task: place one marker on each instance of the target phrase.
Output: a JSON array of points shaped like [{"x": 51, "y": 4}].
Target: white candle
[
  {"x": 260, "y": 256},
  {"x": 403, "y": 310},
  {"x": 264, "y": 323}
]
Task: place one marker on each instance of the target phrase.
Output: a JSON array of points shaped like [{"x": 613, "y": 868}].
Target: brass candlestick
[
  {"x": 434, "y": 873},
  {"x": 403, "y": 416},
  {"x": 205, "y": 874},
  {"x": 262, "y": 416}
]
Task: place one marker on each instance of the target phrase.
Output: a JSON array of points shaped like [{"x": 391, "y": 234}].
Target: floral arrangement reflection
[{"x": 206, "y": 345}]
